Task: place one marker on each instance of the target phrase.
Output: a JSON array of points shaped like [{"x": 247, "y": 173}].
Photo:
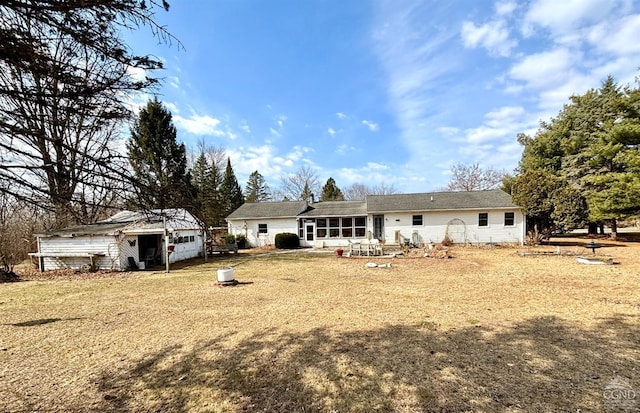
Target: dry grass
[{"x": 488, "y": 331}]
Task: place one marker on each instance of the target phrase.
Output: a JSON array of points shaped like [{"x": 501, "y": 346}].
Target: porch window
[
  {"x": 416, "y": 220},
  {"x": 343, "y": 227},
  {"x": 483, "y": 219},
  {"x": 262, "y": 228},
  {"x": 509, "y": 219},
  {"x": 300, "y": 229},
  {"x": 360, "y": 226}
]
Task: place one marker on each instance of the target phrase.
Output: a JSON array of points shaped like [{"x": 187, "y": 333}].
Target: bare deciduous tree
[
  {"x": 300, "y": 184},
  {"x": 359, "y": 191},
  {"x": 474, "y": 178},
  {"x": 64, "y": 80},
  {"x": 18, "y": 222}
]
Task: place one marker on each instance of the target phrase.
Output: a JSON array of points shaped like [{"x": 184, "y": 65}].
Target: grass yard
[{"x": 485, "y": 331}]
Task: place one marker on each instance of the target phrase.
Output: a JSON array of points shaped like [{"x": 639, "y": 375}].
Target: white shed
[{"x": 124, "y": 241}]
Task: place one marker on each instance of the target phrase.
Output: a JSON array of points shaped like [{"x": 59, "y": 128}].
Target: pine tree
[
  {"x": 205, "y": 190},
  {"x": 159, "y": 162},
  {"x": 230, "y": 191},
  {"x": 331, "y": 192},
  {"x": 257, "y": 189}
]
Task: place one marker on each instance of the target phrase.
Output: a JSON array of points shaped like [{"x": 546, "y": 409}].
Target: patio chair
[
  {"x": 150, "y": 257},
  {"x": 354, "y": 248}
]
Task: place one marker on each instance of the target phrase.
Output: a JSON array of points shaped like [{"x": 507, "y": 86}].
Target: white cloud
[
  {"x": 619, "y": 37},
  {"x": 174, "y": 81},
  {"x": 493, "y": 36},
  {"x": 563, "y": 17},
  {"x": 342, "y": 149},
  {"x": 199, "y": 125},
  {"x": 275, "y": 133},
  {"x": 173, "y": 108},
  {"x": 505, "y": 8},
  {"x": 245, "y": 127},
  {"x": 373, "y": 127},
  {"x": 341, "y": 115},
  {"x": 331, "y": 131},
  {"x": 546, "y": 69}
]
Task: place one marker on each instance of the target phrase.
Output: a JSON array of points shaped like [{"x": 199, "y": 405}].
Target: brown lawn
[{"x": 485, "y": 331}]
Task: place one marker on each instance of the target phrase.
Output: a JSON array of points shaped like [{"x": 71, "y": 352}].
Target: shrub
[
  {"x": 229, "y": 239},
  {"x": 287, "y": 240},
  {"x": 241, "y": 240}
]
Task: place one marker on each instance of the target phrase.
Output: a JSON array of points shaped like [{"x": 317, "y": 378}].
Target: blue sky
[{"x": 374, "y": 92}]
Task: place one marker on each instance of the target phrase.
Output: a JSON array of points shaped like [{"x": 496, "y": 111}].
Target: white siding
[
  {"x": 274, "y": 226},
  {"x": 436, "y": 224},
  {"x": 187, "y": 250},
  {"x": 98, "y": 244}
]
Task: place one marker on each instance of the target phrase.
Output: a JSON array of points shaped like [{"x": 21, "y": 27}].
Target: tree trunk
[
  {"x": 601, "y": 226},
  {"x": 614, "y": 229},
  {"x": 593, "y": 228}
]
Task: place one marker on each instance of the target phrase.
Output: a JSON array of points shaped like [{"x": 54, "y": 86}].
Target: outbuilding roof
[
  {"x": 440, "y": 201},
  {"x": 131, "y": 222}
]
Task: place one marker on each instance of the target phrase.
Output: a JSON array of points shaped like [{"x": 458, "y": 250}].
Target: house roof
[
  {"x": 285, "y": 209},
  {"x": 336, "y": 208},
  {"x": 131, "y": 222},
  {"x": 434, "y": 201},
  {"x": 443, "y": 201}
]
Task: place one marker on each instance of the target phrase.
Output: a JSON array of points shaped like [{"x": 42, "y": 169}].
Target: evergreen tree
[
  {"x": 230, "y": 191},
  {"x": 592, "y": 145},
  {"x": 204, "y": 185},
  {"x": 257, "y": 189},
  {"x": 331, "y": 192},
  {"x": 159, "y": 162},
  {"x": 306, "y": 193}
]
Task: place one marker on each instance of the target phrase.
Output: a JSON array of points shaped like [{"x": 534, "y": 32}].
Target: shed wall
[{"x": 96, "y": 244}]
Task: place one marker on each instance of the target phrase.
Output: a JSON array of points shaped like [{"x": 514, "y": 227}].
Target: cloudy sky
[{"x": 391, "y": 92}]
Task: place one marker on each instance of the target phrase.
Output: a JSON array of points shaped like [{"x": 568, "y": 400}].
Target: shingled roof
[
  {"x": 439, "y": 201},
  {"x": 336, "y": 209},
  {"x": 253, "y": 210}
]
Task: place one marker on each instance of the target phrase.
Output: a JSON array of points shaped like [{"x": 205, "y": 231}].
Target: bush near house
[
  {"x": 241, "y": 240},
  {"x": 287, "y": 240}
]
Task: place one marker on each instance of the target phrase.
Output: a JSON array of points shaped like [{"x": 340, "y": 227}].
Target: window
[
  {"x": 417, "y": 220},
  {"x": 262, "y": 228},
  {"x": 509, "y": 219},
  {"x": 343, "y": 227},
  {"x": 300, "y": 229},
  {"x": 483, "y": 219},
  {"x": 192, "y": 238},
  {"x": 360, "y": 226}
]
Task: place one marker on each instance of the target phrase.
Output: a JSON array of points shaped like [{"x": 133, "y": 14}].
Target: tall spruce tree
[
  {"x": 257, "y": 189},
  {"x": 331, "y": 192},
  {"x": 593, "y": 146},
  {"x": 204, "y": 186},
  {"x": 159, "y": 162},
  {"x": 230, "y": 190}
]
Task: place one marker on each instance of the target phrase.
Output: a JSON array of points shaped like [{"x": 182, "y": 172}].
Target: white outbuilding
[{"x": 127, "y": 240}]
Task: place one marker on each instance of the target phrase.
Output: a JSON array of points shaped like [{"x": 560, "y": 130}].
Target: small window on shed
[
  {"x": 416, "y": 220},
  {"x": 262, "y": 228},
  {"x": 509, "y": 219},
  {"x": 483, "y": 219}
]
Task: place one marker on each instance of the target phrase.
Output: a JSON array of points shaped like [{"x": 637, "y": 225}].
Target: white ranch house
[
  {"x": 125, "y": 238},
  {"x": 464, "y": 217}
]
